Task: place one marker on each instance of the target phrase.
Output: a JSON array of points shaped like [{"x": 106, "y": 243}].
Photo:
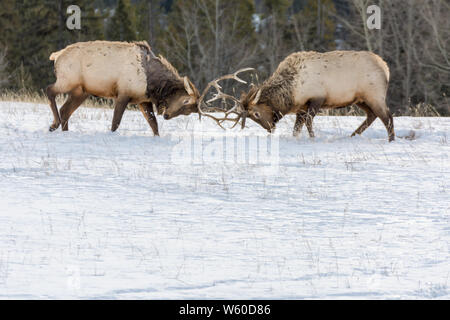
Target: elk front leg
[
  {"x": 299, "y": 121},
  {"x": 147, "y": 110},
  {"x": 309, "y": 121},
  {"x": 313, "y": 109},
  {"x": 119, "y": 109}
]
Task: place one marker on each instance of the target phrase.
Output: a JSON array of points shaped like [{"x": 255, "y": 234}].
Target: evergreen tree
[
  {"x": 317, "y": 18},
  {"x": 34, "y": 29},
  {"x": 4, "y": 78},
  {"x": 8, "y": 22},
  {"x": 148, "y": 16},
  {"x": 92, "y": 23},
  {"x": 121, "y": 26},
  {"x": 32, "y": 42}
]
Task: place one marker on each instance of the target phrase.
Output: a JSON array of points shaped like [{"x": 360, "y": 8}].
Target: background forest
[{"x": 208, "y": 38}]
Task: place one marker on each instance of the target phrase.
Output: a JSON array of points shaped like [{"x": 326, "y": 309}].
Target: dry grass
[
  {"x": 345, "y": 111},
  {"x": 419, "y": 110},
  {"x": 40, "y": 97},
  {"x": 422, "y": 110}
]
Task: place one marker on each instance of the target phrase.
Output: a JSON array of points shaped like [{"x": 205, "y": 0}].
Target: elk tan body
[
  {"x": 126, "y": 72},
  {"x": 308, "y": 81}
]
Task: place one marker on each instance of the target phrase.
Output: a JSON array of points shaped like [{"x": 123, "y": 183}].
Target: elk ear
[
  {"x": 257, "y": 96},
  {"x": 188, "y": 87}
]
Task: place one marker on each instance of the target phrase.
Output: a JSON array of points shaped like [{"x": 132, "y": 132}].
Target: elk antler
[{"x": 220, "y": 95}]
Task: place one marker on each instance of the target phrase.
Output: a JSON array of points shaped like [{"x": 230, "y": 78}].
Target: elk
[
  {"x": 308, "y": 81},
  {"x": 126, "y": 72}
]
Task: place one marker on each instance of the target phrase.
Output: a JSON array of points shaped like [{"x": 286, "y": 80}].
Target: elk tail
[{"x": 56, "y": 54}]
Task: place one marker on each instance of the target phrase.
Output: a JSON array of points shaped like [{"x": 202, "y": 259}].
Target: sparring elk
[
  {"x": 306, "y": 82},
  {"x": 125, "y": 72}
]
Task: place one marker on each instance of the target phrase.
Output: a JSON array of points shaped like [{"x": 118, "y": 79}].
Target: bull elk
[
  {"x": 308, "y": 81},
  {"x": 126, "y": 72}
]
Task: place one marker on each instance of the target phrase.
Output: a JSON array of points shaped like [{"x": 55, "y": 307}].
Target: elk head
[
  {"x": 184, "y": 102},
  {"x": 258, "y": 111}
]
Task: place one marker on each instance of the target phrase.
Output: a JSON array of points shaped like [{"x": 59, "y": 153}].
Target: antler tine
[
  {"x": 240, "y": 71},
  {"x": 219, "y": 121},
  {"x": 220, "y": 95},
  {"x": 233, "y": 110}
]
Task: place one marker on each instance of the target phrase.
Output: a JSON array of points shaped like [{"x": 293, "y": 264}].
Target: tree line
[{"x": 207, "y": 38}]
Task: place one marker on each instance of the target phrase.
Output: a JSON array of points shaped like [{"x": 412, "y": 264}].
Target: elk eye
[
  {"x": 256, "y": 115},
  {"x": 186, "y": 101}
]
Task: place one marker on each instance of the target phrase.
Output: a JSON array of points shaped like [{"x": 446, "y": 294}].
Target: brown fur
[
  {"x": 126, "y": 72},
  {"x": 162, "y": 82},
  {"x": 308, "y": 81}
]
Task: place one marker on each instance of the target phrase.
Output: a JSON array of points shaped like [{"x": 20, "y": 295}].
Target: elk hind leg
[
  {"x": 381, "y": 111},
  {"x": 389, "y": 124},
  {"x": 51, "y": 95},
  {"x": 369, "y": 120},
  {"x": 76, "y": 98}
]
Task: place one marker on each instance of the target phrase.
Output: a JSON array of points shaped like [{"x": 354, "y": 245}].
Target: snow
[{"x": 94, "y": 214}]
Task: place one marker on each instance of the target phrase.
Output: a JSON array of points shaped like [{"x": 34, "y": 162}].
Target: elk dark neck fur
[
  {"x": 276, "y": 91},
  {"x": 163, "y": 81}
]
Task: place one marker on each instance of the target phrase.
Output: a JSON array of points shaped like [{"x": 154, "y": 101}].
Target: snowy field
[{"x": 93, "y": 214}]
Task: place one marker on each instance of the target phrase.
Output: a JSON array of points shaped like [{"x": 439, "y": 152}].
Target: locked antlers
[{"x": 220, "y": 95}]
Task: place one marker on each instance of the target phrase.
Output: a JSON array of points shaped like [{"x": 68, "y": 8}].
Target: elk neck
[{"x": 162, "y": 79}]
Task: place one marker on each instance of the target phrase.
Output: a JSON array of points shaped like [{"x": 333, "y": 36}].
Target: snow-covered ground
[{"x": 93, "y": 214}]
